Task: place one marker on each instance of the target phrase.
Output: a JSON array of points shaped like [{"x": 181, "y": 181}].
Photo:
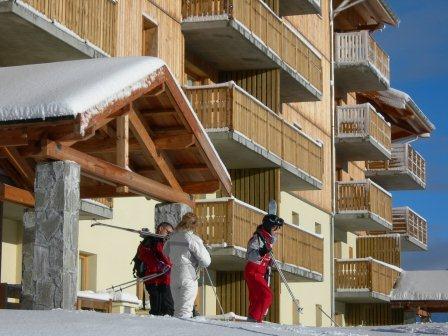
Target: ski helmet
[{"x": 270, "y": 221}]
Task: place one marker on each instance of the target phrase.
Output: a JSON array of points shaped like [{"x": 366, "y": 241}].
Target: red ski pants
[{"x": 260, "y": 295}]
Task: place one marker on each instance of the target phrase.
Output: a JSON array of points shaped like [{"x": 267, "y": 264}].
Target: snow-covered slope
[{"x": 65, "y": 323}]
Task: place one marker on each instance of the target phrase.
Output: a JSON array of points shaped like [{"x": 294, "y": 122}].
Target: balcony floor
[
  {"x": 411, "y": 244},
  {"x": 229, "y": 46},
  {"x": 27, "y": 38},
  {"x": 396, "y": 179},
  {"x": 238, "y": 152},
  {"x": 360, "y": 149},
  {"x": 299, "y": 7},
  {"x": 360, "y": 296},
  {"x": 358, "y": 77},
  {"x": 361, "y": 221},
  {"x": 234, "y": 259}
]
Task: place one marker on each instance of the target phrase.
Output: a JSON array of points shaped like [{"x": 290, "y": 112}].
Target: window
[
  {"x": 295, "y": 218},
  {"x": 86, "y": 271},
  {"x": 317, "y": 228},
  {"x": 150, "y": 38},
  {"x": 350, "y": 252}
]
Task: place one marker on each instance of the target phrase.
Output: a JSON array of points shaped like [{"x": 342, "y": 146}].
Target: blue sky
[{"x": 418, "y": 49}]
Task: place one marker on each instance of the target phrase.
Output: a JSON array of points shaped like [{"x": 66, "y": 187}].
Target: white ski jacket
[{"x": 186, "y": 252}]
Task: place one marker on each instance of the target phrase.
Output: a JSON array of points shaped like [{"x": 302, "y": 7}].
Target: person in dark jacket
[
  {"x": 257, "y": 270},
  {"x": 150, "y": 252}
]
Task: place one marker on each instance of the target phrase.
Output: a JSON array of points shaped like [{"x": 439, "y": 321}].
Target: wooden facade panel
[
  {"x": 384, "y": 248},
  {"x": 234, "y": 295},
  {"x": 373, "y": 314}
]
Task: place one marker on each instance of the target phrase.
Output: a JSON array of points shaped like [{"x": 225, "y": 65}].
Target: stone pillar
[
  {"x": 170, "y": 212},
  {"x": 50, "y": 251}
]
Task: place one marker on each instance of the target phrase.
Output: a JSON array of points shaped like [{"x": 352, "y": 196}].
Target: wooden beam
[
  {"x": 20, "y": 164},
  {"x": 178, "y": 142},
  {"x": 103, "y": 191},
  {"x": 106, "y": 171},
  {"x": 1, "y": 239},
  {"x": 141, "y": 132},
  {"x": 17, "y": 137},
  {"x": 204, "y": 187},
  {"x": 183, "y": 169},
  {"x": 16, "y": 195},
  {"x": 122, "y": 154}
]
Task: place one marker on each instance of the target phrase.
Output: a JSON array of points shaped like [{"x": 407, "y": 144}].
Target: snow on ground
[{"x": 71, "y": 323}]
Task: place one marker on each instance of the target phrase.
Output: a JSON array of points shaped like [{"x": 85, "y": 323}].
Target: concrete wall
[{"x": 309, "y": 294}]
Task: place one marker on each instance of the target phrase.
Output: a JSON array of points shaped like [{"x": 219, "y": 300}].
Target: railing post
[{"x": 230, "y": 222}]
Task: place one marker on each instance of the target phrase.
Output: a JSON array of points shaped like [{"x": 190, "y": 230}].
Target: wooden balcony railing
[
  {"x": 232, "y": 222},
  {"x": 404, "y": 159},
  {"x": 360, "y": 47},
  {"x": 365, "y": 274},
  {"x": 257, "y": 17},
  {"x": 95, "y": 21},
  {"x": 362, "y": 121},
  {"x": 408, "y": 222},
  {"x": 227, "y": 106},
  {"x": 360, "y": 196}
]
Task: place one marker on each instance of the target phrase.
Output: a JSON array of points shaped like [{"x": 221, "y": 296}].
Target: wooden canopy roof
[
  {"x": 359, "y": 15},
  {"x": 125, "y": 121},
  {"x": 401, "y": 111}
]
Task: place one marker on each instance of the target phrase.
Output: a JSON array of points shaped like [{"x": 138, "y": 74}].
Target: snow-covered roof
[
  {"x": 421, "y": 286},
  {"x": 67, "y": 89}
]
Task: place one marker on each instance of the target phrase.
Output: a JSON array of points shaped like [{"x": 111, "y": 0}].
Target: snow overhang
[
  {"x": 429, "y": 285},
  {"x": 406, "y": 118}
]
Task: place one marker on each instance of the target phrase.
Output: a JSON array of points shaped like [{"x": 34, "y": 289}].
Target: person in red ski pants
[{"x": 257, "y": 270}]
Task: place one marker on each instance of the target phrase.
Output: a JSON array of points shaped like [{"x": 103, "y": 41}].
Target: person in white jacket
[{"x": 187, "y": 254}]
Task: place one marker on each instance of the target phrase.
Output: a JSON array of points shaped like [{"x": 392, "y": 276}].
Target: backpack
[{"x": 139, "y": 268}]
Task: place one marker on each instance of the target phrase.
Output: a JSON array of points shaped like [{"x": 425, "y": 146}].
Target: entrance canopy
[{"x": 125, "y": 121}]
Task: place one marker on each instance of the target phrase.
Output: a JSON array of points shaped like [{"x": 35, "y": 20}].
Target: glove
[{"x": 264, "y": 250}]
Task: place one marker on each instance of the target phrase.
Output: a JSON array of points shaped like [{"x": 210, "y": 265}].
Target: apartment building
[{"x": 259, "y": 75}]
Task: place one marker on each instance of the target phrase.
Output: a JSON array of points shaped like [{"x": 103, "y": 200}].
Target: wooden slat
[
  {"x": 20, "y": 163},
  {"x": 16, "y": 195},
  {"x": 103, "y": 170}
]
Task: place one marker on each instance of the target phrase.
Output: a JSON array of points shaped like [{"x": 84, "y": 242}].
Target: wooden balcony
[
  {"x": 228, "y": 224},
  {"x": 406, "y": 170},
  {"x": 41, "y": 31},
  {"x": 238, "y": 35},
  {"x": 364, "y": 280},
  {"x": 361, "y": 65},
  {"x": 363, "y": 206},
  {"x": 247, "y": 134},
  {"x": 412, "y": 228},
  {"x": 299, "y": 7},
  {"x": 361, "y": 132}
]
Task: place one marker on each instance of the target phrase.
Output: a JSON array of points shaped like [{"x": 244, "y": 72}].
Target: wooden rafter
[
  {"x": 141, "y": 132},
  {"x": 122, "y": 154},
  {"x": 201, "y": 187},
  {"x": 20, "y": 164},
  {"x": 181, "y": 141},
  {"x": 106, "y": 171},
  {"x": 16, "y": 195}
]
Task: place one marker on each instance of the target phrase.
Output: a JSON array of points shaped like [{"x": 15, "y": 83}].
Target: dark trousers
[{"x": 160, "y": 299}]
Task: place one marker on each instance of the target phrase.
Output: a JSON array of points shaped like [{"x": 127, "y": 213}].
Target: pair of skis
[{"x": 143, "y": 233}]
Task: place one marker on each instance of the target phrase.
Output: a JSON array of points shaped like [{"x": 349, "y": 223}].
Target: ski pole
[
  {"x": 282, "y": 276},
  {"x": 334, "y": 322},
  {"x": 214, "y": 291}
]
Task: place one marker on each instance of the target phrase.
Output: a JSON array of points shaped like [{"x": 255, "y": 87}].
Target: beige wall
[
  {"x": 114, "y": 249},
  {"x": 11, "y": 252},
  {"x": 308, "y": 293}
]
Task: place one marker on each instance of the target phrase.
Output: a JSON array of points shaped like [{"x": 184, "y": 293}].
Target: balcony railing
[
  {"x": 408, "y": 222},
  {"x": 106, "y": 201},
  {"x": 94, "y": 21},
  {"x": 365, "y": 275},
  {"x": 359, "y": 48},
  {"x": 405, "y": 170},
  {"x": 364, "y": 196},
  {"x": 261, "y": 21},
  {"x": 232, "y": 222},
  {"x": 228, "y": 107},
  {"x": 358, "y": 123}
]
